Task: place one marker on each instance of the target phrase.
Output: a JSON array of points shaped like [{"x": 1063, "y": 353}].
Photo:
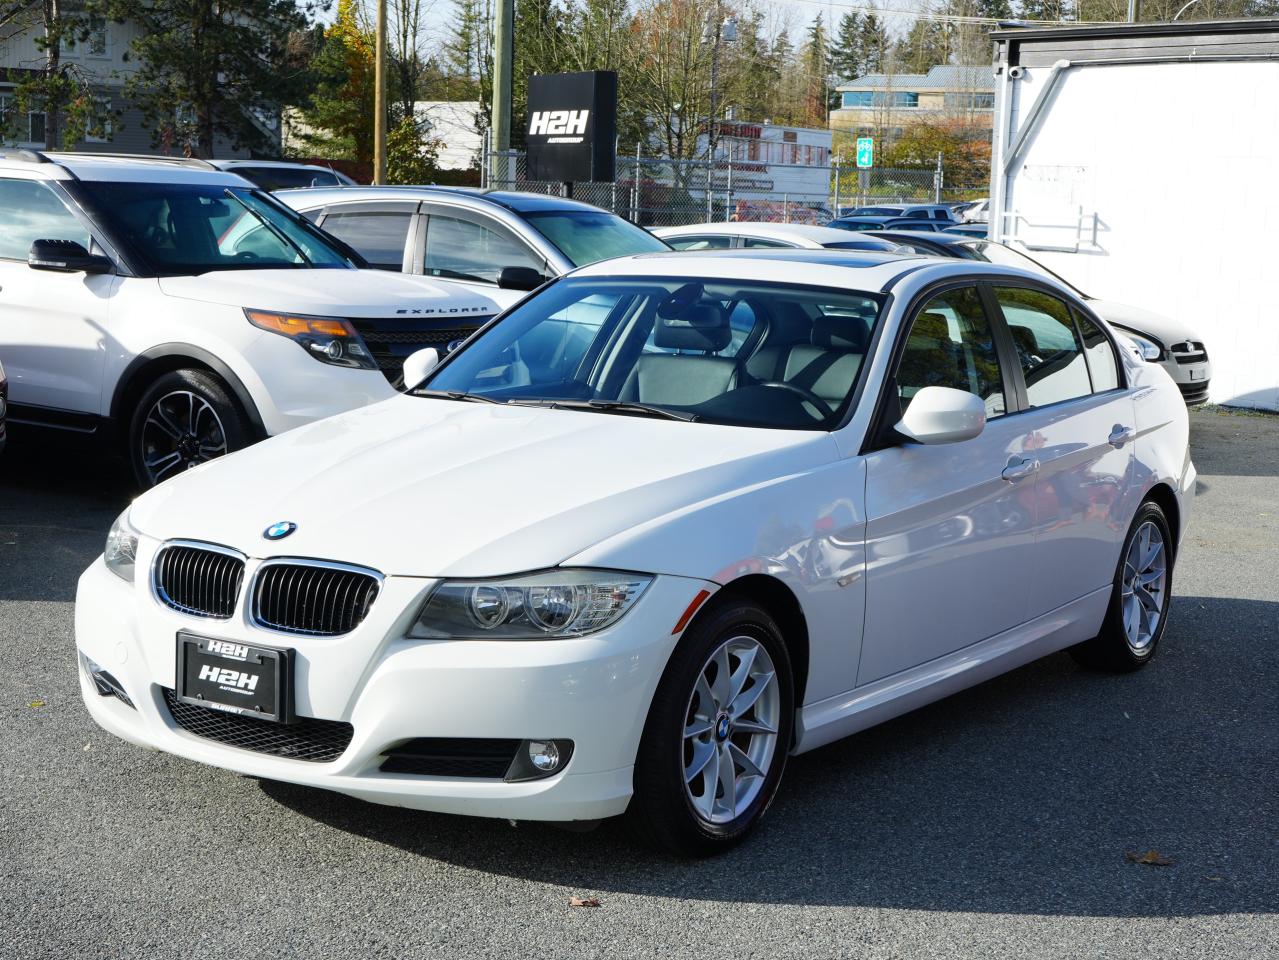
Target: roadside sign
[{"x": 865, "y": 152}]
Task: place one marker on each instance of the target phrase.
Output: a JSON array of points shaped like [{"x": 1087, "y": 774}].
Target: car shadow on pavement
[
  {"x": 1030, "y": 794},
  {"x": 58, "y": 496}
]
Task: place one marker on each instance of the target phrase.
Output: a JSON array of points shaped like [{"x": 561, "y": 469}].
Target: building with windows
[
  {"x": 883, "y": 104},
  {"x": 102, "y": 57}
]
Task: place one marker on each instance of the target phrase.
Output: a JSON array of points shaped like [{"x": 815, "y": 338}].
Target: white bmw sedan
[{"x": 665, "y": 523}]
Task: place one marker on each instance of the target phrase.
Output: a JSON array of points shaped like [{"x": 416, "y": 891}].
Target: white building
[
  {"x": 1138, "y": 161},
  {"x": 455, "y": 124},
  {"x": 766, "y": 167}
]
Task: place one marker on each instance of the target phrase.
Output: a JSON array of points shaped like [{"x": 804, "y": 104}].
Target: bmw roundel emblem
[{"x": 278, "y": 531}]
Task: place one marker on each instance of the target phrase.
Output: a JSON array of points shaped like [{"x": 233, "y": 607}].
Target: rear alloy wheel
[
  {"x": 186, "y": 418},
  {"x": 717, "y": 735},
  {"x": 1139, "y": 600}
]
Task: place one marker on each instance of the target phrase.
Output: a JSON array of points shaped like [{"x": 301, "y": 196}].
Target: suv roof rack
[
  {"x": 24, "y": 154},
  {"x": 182, "y": 161}
]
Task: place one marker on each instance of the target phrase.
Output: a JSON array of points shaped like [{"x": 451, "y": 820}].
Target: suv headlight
[
  {"x": 121, "y": 551},
  {"x": 540, "y": 606},
  {"x": 1149, "y": 349},
  {"x": 328, "y": 339}
]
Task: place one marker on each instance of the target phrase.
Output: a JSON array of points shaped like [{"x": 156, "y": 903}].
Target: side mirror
[
  {"x": 520, "y": 278},
  {"x": 943, "y": 415},
  {"x": 418, "y": 364},
  {"x": 66, "y": 256}
]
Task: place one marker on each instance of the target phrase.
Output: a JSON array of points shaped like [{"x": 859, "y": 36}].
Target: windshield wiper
[
  {"x": 275, "y": 230},
  {"x": 608, "y": 406},
  {"x": 455, "y": 395}
]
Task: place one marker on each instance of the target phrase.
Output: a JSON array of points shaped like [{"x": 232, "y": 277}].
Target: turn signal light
[{"x": 328, "y": 339}]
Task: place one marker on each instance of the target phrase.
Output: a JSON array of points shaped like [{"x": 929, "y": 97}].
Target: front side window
[
  {"x": 32, "y": 211},
  {"x": 459, "y": 248},
  {"x": 710, "y": 350},
  {"x": 378, "y": 236},
  {"x": 951, "y": 345},
  {"x": 1043, "y": 334},
  {"x": 184, "y": 229},
  {"x": 585, "y": 236}
]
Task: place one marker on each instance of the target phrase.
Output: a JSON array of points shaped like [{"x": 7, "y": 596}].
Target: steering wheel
[
  {"x": 822, "y": 406},
  {"x": 247, "y": 255}
]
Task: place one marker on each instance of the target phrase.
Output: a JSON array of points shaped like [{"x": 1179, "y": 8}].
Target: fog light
[
  {"x": 539, "y": 758},
  {"x": 544, "y": 755}
]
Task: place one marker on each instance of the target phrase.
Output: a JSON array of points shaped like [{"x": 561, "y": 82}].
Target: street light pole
[{"x": 379, "y": 97}]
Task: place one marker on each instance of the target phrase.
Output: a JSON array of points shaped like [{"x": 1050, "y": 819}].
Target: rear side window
[
  {"x": 379, "y": 236},
  {"x": 700, "y": 243},
  {"x": 1043, "y": 333},
  {"x": 759, "y": 243},
  {"x": 951, "y": 345},
  {"x": 1101, "y": 355},
  {"x": 32, "y": 211}
]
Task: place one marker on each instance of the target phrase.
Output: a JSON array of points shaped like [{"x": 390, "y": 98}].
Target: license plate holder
[{"x": 234, "y": 677}]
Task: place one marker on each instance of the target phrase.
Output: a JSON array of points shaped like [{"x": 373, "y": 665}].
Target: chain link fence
[{"x": 660, "y": 192}]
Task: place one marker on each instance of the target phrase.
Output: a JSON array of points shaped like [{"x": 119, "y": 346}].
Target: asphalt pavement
[{"x": 997, "y": 823}]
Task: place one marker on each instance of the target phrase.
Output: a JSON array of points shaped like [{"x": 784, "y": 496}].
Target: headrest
[
  {"x": 1025, "y": 338},
  {"x": 702, "y": 326},
  {"x": 933, "y": 325},
  {"x": 841, "y": 333}
]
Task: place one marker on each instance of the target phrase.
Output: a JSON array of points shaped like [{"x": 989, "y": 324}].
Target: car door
[
  {"x": 1078, "y": 424},
  {"x": 472, "y": 248},
  {"x": 379, "y": 230},
  {"x": 949, "y": 526},
  {"x": 53, "y": 326}
]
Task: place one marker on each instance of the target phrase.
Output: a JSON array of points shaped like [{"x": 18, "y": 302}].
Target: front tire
[
  {"x": 718, "y": 733},
  {"x": 185, "y": 418},
  {"x": 1140, "y": 598}
]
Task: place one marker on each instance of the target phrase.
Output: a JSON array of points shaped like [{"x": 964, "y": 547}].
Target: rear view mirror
[
  {"x": 66, "y": 256},
  {"x": 418, "y": 364},
  {"x": 520, "y": 278},
  {"x": 943, "y": 415}
]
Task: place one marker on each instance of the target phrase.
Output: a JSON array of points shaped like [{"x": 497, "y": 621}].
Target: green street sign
[{"x": 865, "y": 152}]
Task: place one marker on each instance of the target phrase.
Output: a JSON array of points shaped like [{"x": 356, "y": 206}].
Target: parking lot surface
[{"x": 995, "y": 823}]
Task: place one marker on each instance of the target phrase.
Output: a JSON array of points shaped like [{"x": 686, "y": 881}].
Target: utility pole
[
  {"x": 379, "y": 97},
  {"x": 1134, "y": 11},
  {"x": 503, "y": 55}
]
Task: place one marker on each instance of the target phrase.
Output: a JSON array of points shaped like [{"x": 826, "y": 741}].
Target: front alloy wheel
[{"x": 718, "y": 732}]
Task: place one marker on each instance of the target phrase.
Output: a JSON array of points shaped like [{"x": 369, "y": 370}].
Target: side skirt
[{"x": 836, "y": 717}]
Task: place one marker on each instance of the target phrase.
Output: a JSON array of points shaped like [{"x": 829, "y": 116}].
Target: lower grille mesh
[{"x": 319, "y": 741}]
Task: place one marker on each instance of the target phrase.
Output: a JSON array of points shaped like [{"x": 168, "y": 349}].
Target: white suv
[{"x": 189, "y": 313}]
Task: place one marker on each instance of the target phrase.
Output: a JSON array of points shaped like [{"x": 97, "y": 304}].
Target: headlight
[
  {"x": 328, "y": 339},
  {"x": 121, "y": 552},
  {"x": 540, "y": 606},
  {"x": 1149, "y": 349}
]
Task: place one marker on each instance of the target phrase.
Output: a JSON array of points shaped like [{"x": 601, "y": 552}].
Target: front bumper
[
  {"x": 593, "y": 690},
  {"x": 1192, "y": 378}
]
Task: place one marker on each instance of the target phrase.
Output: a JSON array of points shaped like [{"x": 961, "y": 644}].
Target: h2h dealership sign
[{"x": 572, "y": 126}]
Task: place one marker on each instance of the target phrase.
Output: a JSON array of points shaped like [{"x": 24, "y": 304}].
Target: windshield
[
  {"x": 993, "y": 252},
  {"x": 288, "y": 178},
  {"x": 182, "y": 229},
  {"x": 585, "y": 236},
  {"x": 856, "y": 224},
  {"x": 733, "y": 352}
]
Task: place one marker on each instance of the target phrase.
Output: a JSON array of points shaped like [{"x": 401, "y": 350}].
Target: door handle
[
  {"x": 1119, "y": 436},
  {"x": 1020, "y": 471}
]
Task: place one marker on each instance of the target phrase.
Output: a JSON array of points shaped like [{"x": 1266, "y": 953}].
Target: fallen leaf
[
  {"x": 583, "y": 902},
  {"x": 37, "y": 704},
  {"x": 1151, "y": 858}
]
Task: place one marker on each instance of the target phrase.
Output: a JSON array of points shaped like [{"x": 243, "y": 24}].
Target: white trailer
[{"x": 1141, "y": 162}]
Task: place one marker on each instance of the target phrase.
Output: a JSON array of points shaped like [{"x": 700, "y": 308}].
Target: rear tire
[
  {"x": 185, "y": 418},
  {"x": 1139, "y": 600},
  {"x": 718, "y": 733}
]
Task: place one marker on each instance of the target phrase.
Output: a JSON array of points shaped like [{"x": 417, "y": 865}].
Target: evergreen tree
[
  {"x": 873, "y": 44},
  {"x": 814, "y": 60},
  {"x": 340, "y": 112},
  {"x": 846, "y": 52},
  {"x": 209, "y": 71}
]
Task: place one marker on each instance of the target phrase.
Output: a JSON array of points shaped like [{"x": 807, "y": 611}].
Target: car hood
[
  {"x": 343, "y": 293},
  {"x": 431, "y": 487},
  {"x": 1164, "y": 329}
]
